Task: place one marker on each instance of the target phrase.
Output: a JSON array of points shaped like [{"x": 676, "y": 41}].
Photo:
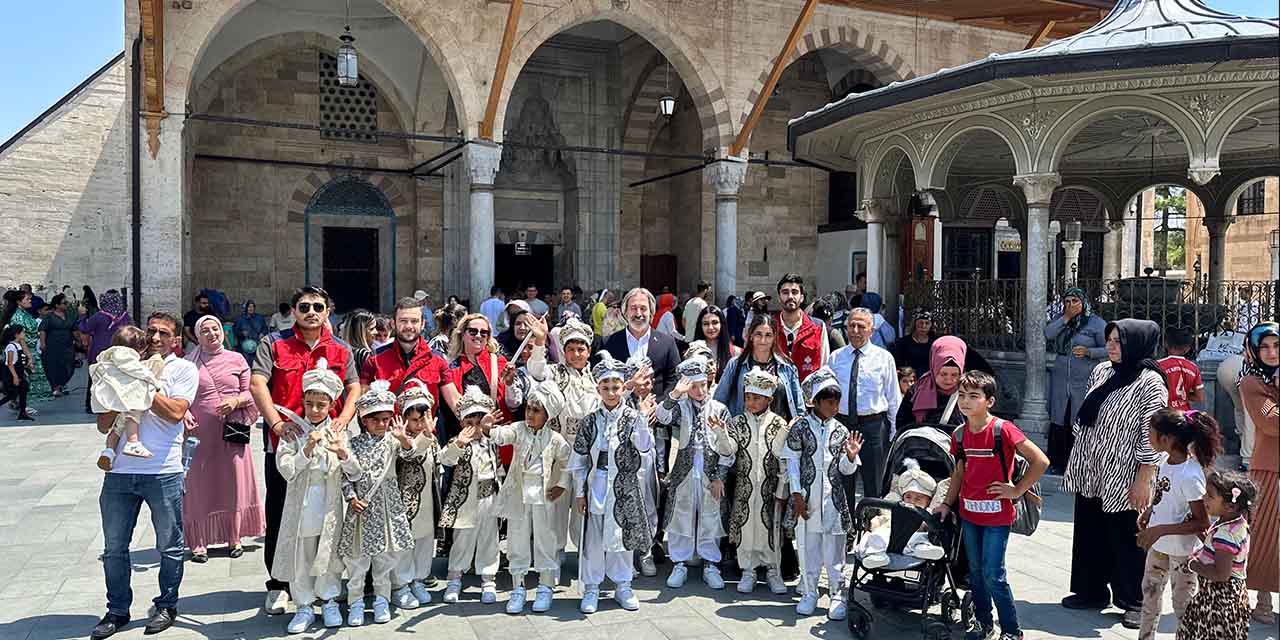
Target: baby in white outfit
[{"x": 914, "y": 487}]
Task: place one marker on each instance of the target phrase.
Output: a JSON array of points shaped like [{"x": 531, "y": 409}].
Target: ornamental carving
[
  {"x": 1034, "y": 122},
  {"x": 922, "y": 137}
]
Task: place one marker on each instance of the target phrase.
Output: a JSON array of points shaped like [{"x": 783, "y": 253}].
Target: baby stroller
[{"x": 910, "y": 582}]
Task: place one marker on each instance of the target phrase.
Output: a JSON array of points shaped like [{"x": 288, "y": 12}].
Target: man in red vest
[
  {"x": 801, "y": 338},
  {"x": 409, "y": 357},
  {"x": 281, "y": 359}
]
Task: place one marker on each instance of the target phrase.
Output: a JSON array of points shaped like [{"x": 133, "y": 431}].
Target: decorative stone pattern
[{"x": 347, "y": 113}]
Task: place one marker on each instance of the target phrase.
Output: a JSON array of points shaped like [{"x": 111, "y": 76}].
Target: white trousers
[
  {"x": 381, "y": 565},
  {"x": 532, "y": 542},
  {"x": 560, "y": 519},
  {"x": 824, "y": 550},
  {"x": 304, "y": 588},
  {"x": 416, "y": 564},
  {"x": 750, "y": 559},
  {"x": 478, "y": 545},
  {"x": 682, "y": 548},
  {"x": 594, "y": 563},
  {"x": 877, "y": 541}
]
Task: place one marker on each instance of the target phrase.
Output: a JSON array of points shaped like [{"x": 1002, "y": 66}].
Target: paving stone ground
[{"x": 52, "y": 586}]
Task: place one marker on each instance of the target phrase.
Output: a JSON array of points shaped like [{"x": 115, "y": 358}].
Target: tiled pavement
[{"x": 50, "y": 539}]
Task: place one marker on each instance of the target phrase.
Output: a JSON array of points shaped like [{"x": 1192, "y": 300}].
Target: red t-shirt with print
[
  {"x": 1184, "y": 378},
  {"x": 981, "y": 468}
]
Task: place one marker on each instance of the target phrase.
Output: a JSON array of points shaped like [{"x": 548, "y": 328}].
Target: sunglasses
[
  {"x": 306, "y": 307},
  {"x": 477, "y": 333}
]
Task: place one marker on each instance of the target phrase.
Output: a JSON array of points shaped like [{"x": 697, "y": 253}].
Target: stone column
[
  {"x": 1038, "y": 188},
  {"x": 1113, "y": 250},
  {"x": 874, "y": 212},
  {"x": 726, "y": 176},
  {"x": 165, "y": 255},
  {"x": 1217, "y": 227},
  {"x": 482, "y": 160}
]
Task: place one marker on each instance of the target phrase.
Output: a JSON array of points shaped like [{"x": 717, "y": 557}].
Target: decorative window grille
[
  {"x": 1253, "y": 200},
  {"x": 346, "y": 113}
]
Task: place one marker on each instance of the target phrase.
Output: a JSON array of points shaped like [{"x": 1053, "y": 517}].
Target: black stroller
[{"x": 908, "y": 582}]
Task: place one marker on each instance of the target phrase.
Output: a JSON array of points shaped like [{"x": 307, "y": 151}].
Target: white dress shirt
[
  {"x": 638, "y": 346},
  {"x": 877, "y": 381}
]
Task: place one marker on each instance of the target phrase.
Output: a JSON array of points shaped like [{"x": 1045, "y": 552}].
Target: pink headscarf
[
  {"x": 946, "y": 351},
  {"x": 224, "y": 368}
]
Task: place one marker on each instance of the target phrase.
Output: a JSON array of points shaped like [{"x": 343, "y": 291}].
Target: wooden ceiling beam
[
  {"x": 1071, "y": 16},
  {"x": 779, "y": 65},
  {"x": 151, "y": 13},
  {"x": 500, "y": 69},
  {"x": 1040, "y": 34}
]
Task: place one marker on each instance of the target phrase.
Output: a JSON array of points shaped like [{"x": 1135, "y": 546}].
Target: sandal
[
  {"x": 1264, "y": 616},
  {"x": 200, "y": 557},
  {"x": 236, "y": 552},
  {"x": 136, "y": 450}
]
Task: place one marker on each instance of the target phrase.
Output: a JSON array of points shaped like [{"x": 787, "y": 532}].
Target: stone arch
[
  {"x": 1235, "y": 187},
  {"x": 880, "y": 172},
  {"x": 1139, "y": 185},
  {"x": 305, "y": 194},
  {"x": 1103, "y": 191},
  {"x": 696, "y": 72},
  {"x": 941, "y": 151},
  {"x": 1238, "y": 110},
  {"x": 855, "y": 77},
  {"x": 1048, "y": 157},
  {"x": 188, "y": 43},
  {"x": 205, "y": 91}
]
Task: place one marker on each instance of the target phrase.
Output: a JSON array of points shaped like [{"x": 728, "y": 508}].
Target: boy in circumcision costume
[
  {"x": 695, "y": 483},
  {"x": 819, "y": 450},
  {"x": 606, "y": 476},
  {"x": 761, "y": 489},
  {"x": 416, "y": 472},
  {"x": 641, "y": 398},
  {"x": 471, "y": 503},
  {"x": 535, "y": 486}
]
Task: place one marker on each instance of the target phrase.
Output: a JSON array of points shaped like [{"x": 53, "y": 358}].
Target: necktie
[{"x": 853, "y": 384}]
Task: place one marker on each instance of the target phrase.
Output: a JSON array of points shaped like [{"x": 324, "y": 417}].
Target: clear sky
[{"x": 50, "y": 47}]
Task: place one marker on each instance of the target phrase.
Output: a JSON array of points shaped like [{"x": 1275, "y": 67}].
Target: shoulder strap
[
  {"x": 958, "y": 434},
  {"x": 493, "y": 376},
  {"x": 951, "y": 407},
  {"x": 998, "y": 450}
]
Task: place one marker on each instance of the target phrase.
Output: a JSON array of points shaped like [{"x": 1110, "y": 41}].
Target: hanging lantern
[
  {"x": 666, "y": 105},
  {"x": 348, "y": 71}
]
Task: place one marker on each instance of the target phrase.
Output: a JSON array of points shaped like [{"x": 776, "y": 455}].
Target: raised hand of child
[
  {"x": 467, "y": 435},
  {"x": 338, "y": 446},
  {"x": 314, "y": 438},
  {"x": 682, "y": 388},
  {"x": 650, "y": 410},
  {"x": 852, "y": 445},
  {"x": 715, "y": 422},
  {"x": 398, "y": 432},
  {"x": 509, "y": 373},
  {"x": 490, "y": 419}
]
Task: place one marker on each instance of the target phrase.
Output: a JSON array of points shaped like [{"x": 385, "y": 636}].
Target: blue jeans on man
[
  {"x": 120, "y": 503},
  {"x": 988, "y": 580}
]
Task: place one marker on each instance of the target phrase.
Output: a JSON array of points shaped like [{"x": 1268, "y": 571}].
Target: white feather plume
[{"x": 380, "y": 386}]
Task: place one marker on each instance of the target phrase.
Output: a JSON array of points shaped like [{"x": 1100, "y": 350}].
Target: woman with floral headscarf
[
  {"x": 1260, "y": 392},
  {"x": 1078, "y": 341}
]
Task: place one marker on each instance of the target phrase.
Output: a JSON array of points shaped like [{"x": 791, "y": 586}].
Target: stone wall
[
  {"x": 64, "y": 192},
  {"x": 1248, "y": 252}
]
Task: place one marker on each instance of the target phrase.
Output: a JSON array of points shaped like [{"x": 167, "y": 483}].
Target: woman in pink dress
[{"x": 222, "y": 504}]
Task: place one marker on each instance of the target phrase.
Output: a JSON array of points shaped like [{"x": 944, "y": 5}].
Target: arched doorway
[{"x": 350, "y": 239}]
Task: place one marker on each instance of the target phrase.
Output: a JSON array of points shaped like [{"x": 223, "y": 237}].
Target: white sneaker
[
  {"x": 381, "y": 610},
  {"x": 678, "y": 575},
  {"x": 301, "y": 620},
  {"x": 625, "y": 597},
  {"x": 404, "y": 598},
  {"x": 451, "y": 591},
  {"x": 488, "y": 592},
  {"x": 711, "y": 576},
  {"x": 516, "y": 603},
  {"x": 590, "y": 598},
  {"x": 332, "y": 614},
  {"x": 927, "y": 551},
  {"x": 776, "y": 584},
  {"x": 808, "y": 602},
  {"x": 355, "y": 613},
  {"x": 748, "y": 581},
  {"x": 420, "y": 593},
  {"x": 542, "y": 601},
  {"x": 647, "y": 568},
  {"x": 875, "y": 560},
  {"x": 276, "y": 602},
  {"x": 838, "y": 610}
]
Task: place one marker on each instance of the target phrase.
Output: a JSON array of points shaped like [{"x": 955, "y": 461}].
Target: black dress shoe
[
  {"x": 163, "y": 619},
  {"x": 1077, "y": 601},
  {"x": 236, "y": 552},
  {"x": 200, "y": 558},
  {"x": 108, "y": 626}
]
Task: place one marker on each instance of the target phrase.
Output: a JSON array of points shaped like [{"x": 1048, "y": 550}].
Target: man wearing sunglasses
[{"x": 281, "y": 360}]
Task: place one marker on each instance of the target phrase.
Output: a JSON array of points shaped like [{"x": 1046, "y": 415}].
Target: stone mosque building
[{"x": 483, "y": 142}]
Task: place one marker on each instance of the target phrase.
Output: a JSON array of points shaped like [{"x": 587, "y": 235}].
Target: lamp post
[{"x": 1273, "y": 241}]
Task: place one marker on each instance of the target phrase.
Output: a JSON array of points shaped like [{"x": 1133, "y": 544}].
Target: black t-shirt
[{"x": 909, "y": 353}]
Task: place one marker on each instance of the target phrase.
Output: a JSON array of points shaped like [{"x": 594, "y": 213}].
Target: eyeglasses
[
  {"x": 477, "y": 333},
  {"x": 306, "y": 307}
]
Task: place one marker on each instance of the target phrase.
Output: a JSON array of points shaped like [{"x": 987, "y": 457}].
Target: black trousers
[
  {"x": 1104, "y": 554},
  {"x": 276, "y": 488},
  {"x": 1062, "y": 438},
  {"x": 875, "y": 448},
  {"x": 16, "y": 393}
]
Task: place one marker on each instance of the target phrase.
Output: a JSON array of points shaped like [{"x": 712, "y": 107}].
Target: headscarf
[
  {"x": 946, "y": 351},
  {"x": 111, "y": 303},
  {"x": 1138, "y": 342},
  {"x": 1255, "y": 366},
  {"x": 1062, "y": 345},
  {"x": 200, "y": 353},
  {"x": 666, "y": 302},
  {"x": 872, "y": 301}
]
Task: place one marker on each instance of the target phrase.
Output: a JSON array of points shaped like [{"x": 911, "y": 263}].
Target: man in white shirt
[
  {"x": 493, "y": 306},
  {"x": 693, "y": 308},
  {"x": 868, "y": 402},
  {"x": 157, "y": 481}
]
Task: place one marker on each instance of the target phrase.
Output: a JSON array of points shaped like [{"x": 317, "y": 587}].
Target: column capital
[
  {"x": 875, "y": 211},
  {"x": 1115, "y": 225},
  {"x": 1038, "y": 187},
  {"x": 482, "y": 160},
  {"x": 726, "y": 176},
  {"x": 1203, "y": 171}
]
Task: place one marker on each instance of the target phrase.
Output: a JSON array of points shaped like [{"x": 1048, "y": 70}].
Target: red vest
[
  {"x": 806, "y": 352},
  {"x": 388, "y": 364},
  {"x": 293, "y": 358}
]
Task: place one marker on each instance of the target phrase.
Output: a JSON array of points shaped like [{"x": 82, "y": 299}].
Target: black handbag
[{"x": 233, "y": 431}]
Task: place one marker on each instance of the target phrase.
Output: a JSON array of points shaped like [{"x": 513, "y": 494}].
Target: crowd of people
[{"x": 647, "y": 431}]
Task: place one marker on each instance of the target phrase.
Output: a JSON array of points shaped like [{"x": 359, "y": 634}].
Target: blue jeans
[
  {"x": 988, "y": 580},
  {"x": 119, "y": 503}
]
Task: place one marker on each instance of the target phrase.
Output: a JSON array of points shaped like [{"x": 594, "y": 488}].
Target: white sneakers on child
[
  {"x": 625, "y": 597},
  {"x": 711, "y": 576},
  {"x": 647, "y": 568},
  {"x": 927, "y": 551},
  {"x": 679, "y": 573},
  {"x": 808, "y": 603},
  {"x": 590, "y": 598},
  {"x": 748, "y": 581},
  {"x": 355, "y": 613},
  {"x": 332, "y": 614},
  {"x": 451, "y": 591},
  {"x": 404, "y": 598},
  {"x": 875, "y": 560},
  {"x": 420, "y": 592},
  {"x": 277, "y": 600},
  {"x": 381, "y": 610},
  {"x": 776, "y": 584},
  {"x": 488, "y": 591},
  {"x": 838, "y": 609},
  {"x": 515, "y": 604},
  {"x": 301, "y": 620},
  {"x": 542, "y": 601},
  {"x": 136, "y": 450}
]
